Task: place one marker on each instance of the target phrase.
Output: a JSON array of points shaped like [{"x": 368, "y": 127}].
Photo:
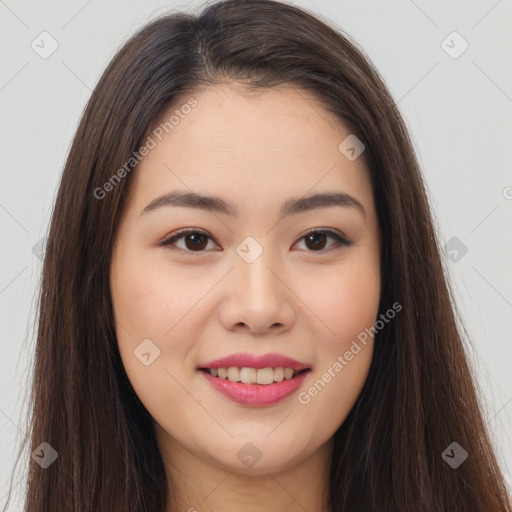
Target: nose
[{"x": 257, "y": 297}]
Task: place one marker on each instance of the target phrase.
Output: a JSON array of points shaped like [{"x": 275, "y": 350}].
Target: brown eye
[
  {"x": 316, "y": 241},
  {"x": 193, "y": 240}
]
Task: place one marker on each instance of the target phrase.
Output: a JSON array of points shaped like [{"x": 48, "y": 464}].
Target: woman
[{"x": 202, "y": 345}]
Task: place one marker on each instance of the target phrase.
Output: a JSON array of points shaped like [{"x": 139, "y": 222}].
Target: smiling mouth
[{"x": 261, "y": 376}]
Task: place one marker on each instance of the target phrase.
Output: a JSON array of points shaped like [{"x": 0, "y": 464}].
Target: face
[{"x": 247, "y": 279}]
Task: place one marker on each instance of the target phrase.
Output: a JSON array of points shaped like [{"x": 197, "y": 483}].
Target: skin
[{"x": 255, "y": 150}]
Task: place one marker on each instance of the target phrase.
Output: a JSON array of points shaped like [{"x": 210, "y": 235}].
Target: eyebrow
[{"x": 292, "y": 206}]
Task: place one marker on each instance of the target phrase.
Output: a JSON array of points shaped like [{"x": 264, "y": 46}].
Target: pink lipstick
[{"x": 255, "y": 380}]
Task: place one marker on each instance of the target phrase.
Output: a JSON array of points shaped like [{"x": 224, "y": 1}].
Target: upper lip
[{"x": 254, "y": 361}]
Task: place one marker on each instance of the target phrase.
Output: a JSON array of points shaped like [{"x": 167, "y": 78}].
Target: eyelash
[{"x": 182, "y": 233}]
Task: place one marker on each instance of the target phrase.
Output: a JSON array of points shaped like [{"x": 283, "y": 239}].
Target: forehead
[
  {"x": 246, "y": 145},
  {"x": 235, "y": 120}
]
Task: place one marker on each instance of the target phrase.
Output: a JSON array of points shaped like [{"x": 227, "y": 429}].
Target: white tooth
[
  {"x": 278, "y": 374},
  {"x": 265, "y": 376},
  {"x": 214, "y": 372},
  {"x": 288, "y": 373},
  {"x": 248, "y": 375},
  {"x": 234, "y": 374},
  {"x": 222, "y": 373}
]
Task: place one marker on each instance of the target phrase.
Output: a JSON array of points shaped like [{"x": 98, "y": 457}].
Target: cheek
[
  {"x": 348, "y": 305},
  {"x": 151, "y": 302},
  {"x": 329, "y": 396},
  {"x": 149, "y": 299},
  {"x": 346, "y": 300},
  {"x": 344, "y": 352}
]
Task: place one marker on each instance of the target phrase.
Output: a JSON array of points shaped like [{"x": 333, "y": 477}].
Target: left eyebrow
[
  {"x": 322, "y": 200},
  {"x": 291, "y": 206}
]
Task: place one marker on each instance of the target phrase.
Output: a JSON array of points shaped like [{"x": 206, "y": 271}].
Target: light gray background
[{"x": 458, "y": 110}]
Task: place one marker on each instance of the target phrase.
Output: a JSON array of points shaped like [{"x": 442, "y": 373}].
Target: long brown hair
[{"x": 420, "y": 395}]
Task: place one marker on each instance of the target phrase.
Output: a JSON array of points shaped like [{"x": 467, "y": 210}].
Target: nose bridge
[
  {"x": 254, "y": 262},
  {"x": 259, "y": 299}
]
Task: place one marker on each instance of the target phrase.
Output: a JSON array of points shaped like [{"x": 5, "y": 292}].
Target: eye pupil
[
  {"x": 196, "y": 241},
  {"x": 314, "y": 237}
]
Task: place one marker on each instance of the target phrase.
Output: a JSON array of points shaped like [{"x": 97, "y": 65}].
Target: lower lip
[{"x": 255, "y": 394}]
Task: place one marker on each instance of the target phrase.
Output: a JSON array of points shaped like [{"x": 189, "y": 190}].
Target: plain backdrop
[{"x": 456, "y": 100}]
